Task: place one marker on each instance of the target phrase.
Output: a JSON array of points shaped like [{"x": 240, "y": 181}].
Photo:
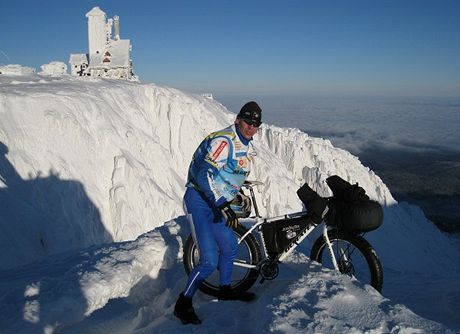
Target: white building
[
  {"x": 78, "y": 64},
  {"x": 208, "y": 96},
  {"x": 108, "y": 56}
]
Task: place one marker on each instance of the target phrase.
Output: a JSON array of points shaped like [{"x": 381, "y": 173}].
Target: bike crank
[{"x": 268, "y": 270}]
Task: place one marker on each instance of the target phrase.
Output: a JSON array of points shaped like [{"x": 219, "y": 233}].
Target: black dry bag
[{"x": 351, "y": 209}]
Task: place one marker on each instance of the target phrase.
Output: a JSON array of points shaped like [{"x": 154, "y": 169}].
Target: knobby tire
[{"x": 348, "y": 247}]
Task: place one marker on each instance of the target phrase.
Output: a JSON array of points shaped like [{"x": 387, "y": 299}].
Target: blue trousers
[{"x": 216, "y": 242}]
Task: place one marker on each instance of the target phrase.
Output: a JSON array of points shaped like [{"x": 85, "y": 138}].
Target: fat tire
[
  {"x": 373, "y": 262},
  {"x": 242, "y": 285}
]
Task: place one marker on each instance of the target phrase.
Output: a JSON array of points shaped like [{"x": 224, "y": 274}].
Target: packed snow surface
[{"x": 92, "y": 174}]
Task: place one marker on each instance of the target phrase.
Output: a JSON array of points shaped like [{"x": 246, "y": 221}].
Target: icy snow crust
[{"x": 91, "y": 170}]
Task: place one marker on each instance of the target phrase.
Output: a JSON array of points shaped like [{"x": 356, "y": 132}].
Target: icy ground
[{"x": 91, "y": 224}]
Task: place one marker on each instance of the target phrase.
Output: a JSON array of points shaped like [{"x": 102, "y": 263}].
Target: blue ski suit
[{"x": 219, "y": 167}]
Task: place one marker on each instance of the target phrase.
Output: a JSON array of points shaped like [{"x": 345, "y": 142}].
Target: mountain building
[{"x": 109, "y": 55}]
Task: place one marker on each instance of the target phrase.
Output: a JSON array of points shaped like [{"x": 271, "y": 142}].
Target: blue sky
[{"x": 403, "y": 48}]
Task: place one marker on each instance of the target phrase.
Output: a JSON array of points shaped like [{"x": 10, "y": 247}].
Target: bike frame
[{"x": 259, "y": 221}]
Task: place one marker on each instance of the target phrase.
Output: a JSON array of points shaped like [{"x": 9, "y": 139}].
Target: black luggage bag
[{"x": 351, "y": 209}]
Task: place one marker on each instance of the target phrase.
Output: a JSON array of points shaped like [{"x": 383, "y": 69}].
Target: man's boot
[
  {"x": 185, "y": 312},
  {"x": 227, "y": 293}
]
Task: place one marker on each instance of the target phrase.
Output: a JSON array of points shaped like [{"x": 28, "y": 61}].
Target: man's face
[{"x": 248, "y": 131}]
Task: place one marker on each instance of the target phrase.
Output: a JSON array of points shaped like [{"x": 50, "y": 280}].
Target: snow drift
[
  {"x": 109, "y": 160},
  {"x": 89, "y": 161}
]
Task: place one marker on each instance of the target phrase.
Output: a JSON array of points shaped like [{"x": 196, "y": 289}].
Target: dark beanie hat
[{"x": 251, "y": 113}]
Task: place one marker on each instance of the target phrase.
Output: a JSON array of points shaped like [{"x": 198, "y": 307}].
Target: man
[{"x": 219, "y": 167}]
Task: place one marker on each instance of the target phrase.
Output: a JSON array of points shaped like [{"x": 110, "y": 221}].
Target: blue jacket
[{"x": 220, "y": 165}]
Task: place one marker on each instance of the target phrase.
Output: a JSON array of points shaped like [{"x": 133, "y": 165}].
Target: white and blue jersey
[
  {"x": 220, "y": 165},
  {"x": 219, "y": 168}
]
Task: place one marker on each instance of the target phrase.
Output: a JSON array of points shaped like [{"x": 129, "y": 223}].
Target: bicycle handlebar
[{"x": 251, "y": 184}]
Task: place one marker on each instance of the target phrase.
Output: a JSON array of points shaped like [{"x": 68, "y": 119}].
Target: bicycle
[{"x": 340, "y": 248}]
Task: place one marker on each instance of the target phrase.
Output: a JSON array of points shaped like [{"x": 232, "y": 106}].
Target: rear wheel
[
  {"x": 242, "y": 278},
  {"x": 355, "y": 257}
]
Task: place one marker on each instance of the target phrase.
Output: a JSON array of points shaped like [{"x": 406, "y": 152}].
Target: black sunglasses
[{"x": 252, "y": 122}]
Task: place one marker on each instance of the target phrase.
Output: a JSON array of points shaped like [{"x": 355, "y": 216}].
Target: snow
[
  {"x": 15, "y": 69},
  {"x": 54, "y": 68},
  {"x": 92, "y": 174}
]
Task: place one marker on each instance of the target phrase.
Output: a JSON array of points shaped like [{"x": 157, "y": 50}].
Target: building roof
[
  {"x": 78, "y": 59},
  {"x": 96, "y": 11}
]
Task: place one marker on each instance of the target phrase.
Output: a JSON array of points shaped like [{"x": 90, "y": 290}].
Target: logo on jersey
[
  {"x": 242, "y": 163},
  {"x": 219, "y": 150}
]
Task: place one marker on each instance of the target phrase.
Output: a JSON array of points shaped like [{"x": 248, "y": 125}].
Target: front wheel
[
  {"x": 242, "y": 277},
  {"x": 354, "y": 255}
]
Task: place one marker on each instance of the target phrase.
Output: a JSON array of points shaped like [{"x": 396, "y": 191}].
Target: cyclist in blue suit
[{"x": 219, "y": 167}]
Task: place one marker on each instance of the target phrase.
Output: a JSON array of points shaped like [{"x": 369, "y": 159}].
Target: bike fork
[{"x": 329, "y": 247}]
